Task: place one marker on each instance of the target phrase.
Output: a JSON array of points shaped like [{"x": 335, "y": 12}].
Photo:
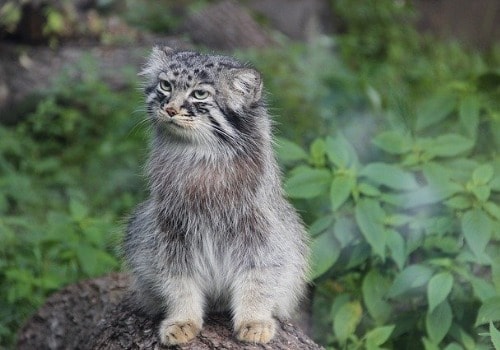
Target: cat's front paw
[
  {"x": 256, "y": 331},
  {"x": 178, "y": 332}
]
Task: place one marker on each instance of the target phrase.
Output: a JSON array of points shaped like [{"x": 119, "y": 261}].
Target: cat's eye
[
  {"x": 200, "y": 94},
  {"x": 165, "y": 85}
]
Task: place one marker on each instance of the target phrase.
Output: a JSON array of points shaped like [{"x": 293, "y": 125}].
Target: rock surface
[{"x": 96, "y": 314}]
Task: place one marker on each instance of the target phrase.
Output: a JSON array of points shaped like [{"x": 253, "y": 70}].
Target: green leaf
[
  {"x": 483, "y": 174},
  {"x": 379, "y": 335},
  {"x": 434, "y": 109},
  {"x": 55, "y": 22},
  {"x": 340, "y": 300},
  {"x": 495, "y": 336},
  {"x": 447, "y": 145},
  {"x": 345, "y": 230},
  {"x": 483, "y": 290},
  {"x": 495, "y": 182},
  {"x": 368, "y": 190},
  {"x": 438, "y": 322},
  {"x": 389, "y": 175},
  {"x": 374, "y": 97},
  {"x": 318, "y": 152},
  {"x": 477, "y": 229},
  {"x": 289, "y": 152},
  {"x": 374, "y": 289},
  {"x": 459, "y": 202},
  {"x": 429, "y": 345},
  {"x": 439, "y": 179},
  {"x": 481, "y": 192},
  {"x": 424, "y": 196},
  {"x": 459, "y": 334},
  {"x": 393, "y": 142},
  {"x": 95, "y": 233},
  {"x": 346, "y": 320},
  {"x": 11, "y": 15},
  {"x": 438, "y": 289},
  {"x": 495, "y": 274},
  {"x": 398, "y": 220},
  {"x": 453, "y": 346},
  {"x": 78, "y": 210},
  {"x": 325, "y": 251},
  {"x": 307, "y": 182},
  {"x": 492, "y": 209},
  {"x": 370, "y": 218},
  {"x": 397, "y": 246},
  {"x": 321, "y": 225},
  {"x": 468, "y": 112},
  {"x": 495, "y": 129},
  {"x": 489, "y": 311},
  {"x": 340, "y": 189},
  {"x": 87, "y": 259},
  {"x": 414, "y": 276},
  {"x": 340, "y": 152}
]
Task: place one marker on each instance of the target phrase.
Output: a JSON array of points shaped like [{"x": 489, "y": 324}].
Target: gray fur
[{"x": 216, "y": 232}]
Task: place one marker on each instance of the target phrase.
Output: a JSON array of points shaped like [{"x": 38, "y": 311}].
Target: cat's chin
[{"x": 179, "y": 132}]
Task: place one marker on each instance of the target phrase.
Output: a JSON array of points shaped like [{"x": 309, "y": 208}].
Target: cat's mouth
[{"x": 178, "y": 121}]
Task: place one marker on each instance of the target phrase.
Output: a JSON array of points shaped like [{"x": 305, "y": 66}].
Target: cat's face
[{"x": 201, "y": 98}]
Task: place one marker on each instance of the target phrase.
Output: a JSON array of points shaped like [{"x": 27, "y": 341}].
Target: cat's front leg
[
  {"x": 253, "y": 301},
  {"x": 184, "y": 317}
]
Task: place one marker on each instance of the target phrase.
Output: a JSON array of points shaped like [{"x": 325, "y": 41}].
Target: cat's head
[{"x": 203, "y": 98}]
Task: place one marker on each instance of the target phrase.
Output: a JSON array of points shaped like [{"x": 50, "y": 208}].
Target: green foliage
[
  {"x": 10, "y": 15},
  {"x": 156, "y": 16},
  {"x": 399, "y": 183},
  {"x": 159, "y": 16},
  {"x": 377, "y": 30},
  {"x": 402, "y": 198},
  {"x": 67, "y": 177}
]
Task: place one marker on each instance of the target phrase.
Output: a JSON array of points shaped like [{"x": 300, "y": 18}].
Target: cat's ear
[
  {"x": 157, "y": 58},
  {"x": 168, "y": 50},
  {"x": 247, "y": 82},
  {"x": 159, "y": 53}
]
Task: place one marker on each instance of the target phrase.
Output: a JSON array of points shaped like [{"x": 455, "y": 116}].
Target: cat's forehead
[{"x": 195, "y": 65}]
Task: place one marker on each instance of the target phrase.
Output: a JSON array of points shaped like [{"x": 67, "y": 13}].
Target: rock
[
  {"x": 225, "y": 25},
  {"x": 298, "y": 19},
  {"x": 475, "y": 23},
  {"x": 97, "y": 314}
]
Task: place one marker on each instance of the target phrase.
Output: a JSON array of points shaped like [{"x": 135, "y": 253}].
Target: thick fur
[{"x": 216, "y": 232}]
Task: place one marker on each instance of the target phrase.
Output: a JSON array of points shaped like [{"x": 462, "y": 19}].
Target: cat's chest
[{"x": 208, "y": 186}]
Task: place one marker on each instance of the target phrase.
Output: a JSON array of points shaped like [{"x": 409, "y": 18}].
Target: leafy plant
[
  {"x": 405, "y": 222},
  {"x": 67, "y": 178},
  {"x": 401, "y": 189},
  {"x": 413, "y": 238}
]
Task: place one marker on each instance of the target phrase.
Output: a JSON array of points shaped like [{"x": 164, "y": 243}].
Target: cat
[{"x": 216, "y": 232}]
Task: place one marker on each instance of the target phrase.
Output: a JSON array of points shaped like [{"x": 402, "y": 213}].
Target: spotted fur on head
[{"x": 234, "y": 112}]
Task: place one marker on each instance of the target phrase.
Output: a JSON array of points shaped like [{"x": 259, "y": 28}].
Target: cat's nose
[{"x": 171, "y": 111}]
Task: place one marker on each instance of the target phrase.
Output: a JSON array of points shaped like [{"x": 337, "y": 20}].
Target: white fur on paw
[
  {"x": 172, "y": 333},
  {"x": 256, "y": 331}
]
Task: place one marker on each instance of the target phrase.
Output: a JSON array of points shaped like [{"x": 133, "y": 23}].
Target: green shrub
[
  {"x": 401, "y": 193},
  {"x": 69, "y": 173},
  {"x": 402, "y": 240}
]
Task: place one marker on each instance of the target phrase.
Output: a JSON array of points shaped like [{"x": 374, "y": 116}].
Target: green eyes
[
  {"x": 197, "y": 94},
  {"x": 200, "y": 94},
  {"x": 165, "y": 86}
]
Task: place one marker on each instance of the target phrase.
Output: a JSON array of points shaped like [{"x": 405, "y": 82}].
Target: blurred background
[{"x": 388, "y": 133}]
